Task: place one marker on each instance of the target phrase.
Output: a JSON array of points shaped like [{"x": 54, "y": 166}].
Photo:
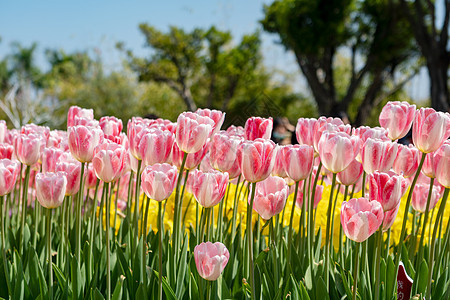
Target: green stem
[
  {"x": 274, "y": 254},
  {"x": 116, "y": 200},
  {"x": 363, "y": 185},
  {"x": 327, "y": 239},
  {"x": 333, "y": 213},
  {"x": 233, "y": 221},
  {"x": 355, "y": 271},
  {"x": 405, "y": 217},
  {"x": 250, "y": 241},
  {"x": 136, "y": 207},
  {"x": 289, "y": 241},
  {"x": 5, "y": 264},
  {"x": 160, "y": 270},
  {"x": 433, "y": 241},
  {"x": 311, "y": 218},
  {"x": 144, "y": 242},
  {"x": 24, "y": 208},
  {"x": 78, "y": 215},
  {"x": 49, "y": 253},
  {"x": 378, "y": 262},
  {"x": 341, "y": 233},
  {"x": 36, "y": 222},
  {"x": 94, "y": 218},
  {"x": 108, "y": 263},
  {"x": 129, "y": 195}
]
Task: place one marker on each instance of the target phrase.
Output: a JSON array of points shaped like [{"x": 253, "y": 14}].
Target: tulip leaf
[
  {"x": 125, "y": 270},
  {"x": 422, "y": 277},
  {"x": 76, "y": 279},
  {"x": 303, "y": 292},
  {"x": 99, "y": 296},
  {"x": 170, "y": 294},
  {"x": 321, "y": 290},
  {"x": 193, "y": 288},
  {"x": 117, "y": 294},
  {"x": 391, "y": 274},
  {"x": 441, "y": 285},
  {"x": 180, "y": 288},
  {"x": 62, "y": 281}
]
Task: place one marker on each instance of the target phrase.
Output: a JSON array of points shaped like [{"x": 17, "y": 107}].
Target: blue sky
[{"x": 99, "y": 24}]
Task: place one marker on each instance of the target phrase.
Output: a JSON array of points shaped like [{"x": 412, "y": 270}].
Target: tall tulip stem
[
  {"x": 24, "y": 207},
  {"x": 289, "y": 241},
  {"x": 378, "y": 262},
  {"x": 327, "y": 239},
  {"x": 250, "y": 241},
  {"x": 160, "y": 228},
  {"x": 355, "y": 271},
  {"x": 136, "y": 206},
  {"x": 433, "y": 241},
  {"x": 5, "y": 265},
  {"x": 49, "y": 253},
  {"x": 78, "y": 214},
  {"x": 108, "y": 265}
]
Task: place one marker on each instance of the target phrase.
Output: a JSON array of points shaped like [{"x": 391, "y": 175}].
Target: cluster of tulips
[{"x": 101, "y": 187}]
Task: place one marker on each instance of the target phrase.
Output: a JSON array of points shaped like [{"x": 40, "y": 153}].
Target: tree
[
  {"x": 204, "y": 68},
  {"x": 433, "y": 43},
  {"x": 375, "y": 32}
]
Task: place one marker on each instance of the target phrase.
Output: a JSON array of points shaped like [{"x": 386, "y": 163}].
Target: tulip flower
[
  {"x": 317, "y": 197},
  {"x": 270, "y": 197},
  {"x": 208, "y": 187},
  {"x": 441, "y": 164},
  {"x": 50, "y": 189},
  {"x": 420, "y": 196},
  {"x": 407, "y": 160},
  {"x": 6, "y": 151},
  {"x": 360, "y": 218},
  {"x": 378, "y": 155},
  {"x": 304, "y": 131},
  {"x": 278, "y": 167},
  {"x": 9, "y": 170},
  {"x": 155, "y": 146},
  {"x": 238, "y": 131},
  {"x": 427, "y": 167},
  {"x": 50, "y": 157},
  {"x": 75, "y": 111},
  {"x": 158, "y": 181},
  {"x": 257, "y": 159},
  {"x": 211, "y": 259},
  {"x": 298, "y": 161},
  {"x": 83, "y": 140},
  {"x": 134, "y": 128},
  {"x": 28, "y": 148},
  {"x": 72, "y": 171},
  {"x": 430, "y": 129},
  {"x": 397, "y": 118},
  {"x": 192, "y": 159},
  {"x": 193, "y": 130},
  {"x": 216, "y": 115},
  {"x": 111, "y": 125},
  {"x": 387, "y": 189},
  {"x": 42, "y": 131},
  {"x": 328, "y": 124},
  {"x": 365, "y": 132},
  {"x": 258, "y": 128},
  {"x": 224, "y": 151},
  {"x": 108, "y": 161},
  {"x": 337, "y": 150},
  {"x": 351, "y": 174}
]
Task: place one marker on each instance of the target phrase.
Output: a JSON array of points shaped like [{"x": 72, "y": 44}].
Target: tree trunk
[
  {"x": 187, "y": 98},
  {"x": 367, "y": 105},
  {"x": 439, "y": 93}
]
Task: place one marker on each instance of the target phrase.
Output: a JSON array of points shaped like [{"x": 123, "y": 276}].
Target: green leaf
[
  {"x": 76, "y": 279},
  {"x": 98, "y": 295},
  {"x": 181, "y": 269},
  {"x": 193, "y": 288},
  {"x": 125, "y": 270},
  {"x": 303, "y": 292},
  {"x": 321, "y": 290},
  {"x": 391, "y": 274},
  {"x": 422, "y": 278},
  {"x": 440, "y": 286},
  {"x": 170, "y": 294},
  {"x": 117, "y": 294},
  {"x": 62, "y": 280}
]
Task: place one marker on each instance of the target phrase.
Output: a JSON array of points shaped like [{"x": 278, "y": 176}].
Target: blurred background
[{"x": 285, "y": 58}]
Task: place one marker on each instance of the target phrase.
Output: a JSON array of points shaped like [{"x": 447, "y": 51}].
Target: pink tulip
[
  {"x": 193, "y": 131},
  {"x": 238, "y": 131},
  {"x": 216, "y": 115},
  {"x": 317, "y": 197},
  {"x": 270, "y": 197},
  {"x": 50, "y": 157},
  {"x": 360, "y": 218},
  {"x": 211, "y": 259},
  {"x": 111, "y": 125},
  {"x": 28, "y": 148},
  {"x": 224, "y": 150},
  {"x": 328, "y": 124},
  {"x": 205, "y": 164},
  {"x": 378, "y": 155},
  {"x": 351, "y": 174},
  {"x": 389, "y": 217},
  {"x": 441, "y": 164},
  {"x": 11, "y": 136},
  {"x": 50, "y": 189},
  {"x": 58, "y": 139},
  {"x": 208, "y": 187},
  {"x": 91, "y": 178},
  {"x": 305, "y": 131},
  {"x": 158, "y": 181},
  {"x": 365, "y": 132},
  {"x": 257, "y": 159},
  {"x": 387, "y": 188},
  {"x": 258, "y": 128},
  {"x": 83, "y": 140},
  {"x": 397, "y": 118},
  {"x": 42, "y": 131},
  {"x": 427, "y": 167},
  {"x": 192, "y": 159},
  {"x": 337, "y": 150},
  {"x": 420, "y": 196},
  {"x": 75, "y": 111},
  {"x": 298, "y": 161},
  {"x": 9, "y": 170},
  {"x": 134, "y": 128},
  {"x": 278, "y": 167},
  {"x": 430, "y": 129},
  {"x": 72, "y": 169},
  {"x": 155, "y": 146},
  {"x": 6, "y": 151},
  {"x": 109, "y": 160},
  {"x": 407, "y": 160}
]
